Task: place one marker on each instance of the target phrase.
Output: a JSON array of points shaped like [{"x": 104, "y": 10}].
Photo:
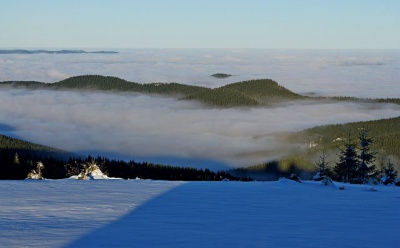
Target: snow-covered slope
[{"x": 138, "y": 213}]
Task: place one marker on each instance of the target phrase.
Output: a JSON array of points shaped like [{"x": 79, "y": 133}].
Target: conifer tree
[
  {"x": 16, "y": 159},
  {"x": 366, "y": 169},
  {"x": 322, "y": 168},
  {"x": 390, "y": 174},
  {"x": 346, "y": 168}
]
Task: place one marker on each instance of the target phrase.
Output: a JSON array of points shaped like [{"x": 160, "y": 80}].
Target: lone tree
[
  {"x": 322, "y": 168},
  {"x": 390, "y": 174},
  {"x": 346, "y": 168},
  {"x": 366, "y": 169}
]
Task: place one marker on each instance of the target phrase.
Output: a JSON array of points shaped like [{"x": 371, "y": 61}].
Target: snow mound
[
  {"x": 34, "y": 176},
  {"x": 91, "y": 172},
  {"x": 284, "y": 180},
  {"x": 96, "y": 174}
]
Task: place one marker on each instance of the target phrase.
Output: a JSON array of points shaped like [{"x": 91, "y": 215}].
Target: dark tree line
[
  {"x": 145, "y": 170},
  {"x": 16, "y": 165}
]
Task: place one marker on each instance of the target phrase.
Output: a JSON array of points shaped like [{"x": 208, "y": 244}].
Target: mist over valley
[{"x": 189, "y": 133}]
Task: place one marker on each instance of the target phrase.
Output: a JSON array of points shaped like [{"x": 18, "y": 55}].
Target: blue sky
[{"x": 321, "y": 24}]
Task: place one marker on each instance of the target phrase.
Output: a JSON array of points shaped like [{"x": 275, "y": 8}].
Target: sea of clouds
[
  {"x": 361, "y": 73},
  {"x": 185, "y": 132}
]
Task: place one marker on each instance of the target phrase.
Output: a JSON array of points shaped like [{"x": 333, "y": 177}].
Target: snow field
[
  {"x": 52, "y": 213},
  {"x": 137, "y": 213}
]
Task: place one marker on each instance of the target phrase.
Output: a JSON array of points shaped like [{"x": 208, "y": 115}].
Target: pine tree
[
  {"x": 366, "y": 169},
  {"x": 322, "y": 168},
  {"x": 390, "y": 174},
  {"x": 16, "y": 159},
  {"x": 346, "y": 168},
  {"x": 381, "y": 171}
]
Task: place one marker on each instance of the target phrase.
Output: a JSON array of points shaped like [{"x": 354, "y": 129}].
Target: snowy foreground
[{"x": 138, "y": 213}]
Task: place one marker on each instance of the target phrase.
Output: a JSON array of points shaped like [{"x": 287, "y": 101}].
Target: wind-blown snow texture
[{"x": 138, "y": 213}]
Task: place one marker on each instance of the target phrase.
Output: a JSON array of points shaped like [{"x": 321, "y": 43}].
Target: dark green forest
[
  {"x": 18, "y": 158},
  {"x": 385, "y": 133},
  {"x": 329, "y": 139},
  {"x": 12, "y": 143}
]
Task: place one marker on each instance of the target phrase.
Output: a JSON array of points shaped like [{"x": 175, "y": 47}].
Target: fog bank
[
  {"x": 164, "y": 129},
  {"x": 133, "y": 125}
]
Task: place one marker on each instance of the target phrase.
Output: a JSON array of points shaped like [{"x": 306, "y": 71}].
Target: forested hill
[
  {"x": 247, "y": 93},
  {"x": 262, "y": 89},
  {"x": 328, "y": 140},
  {"x": 12, "y": 143},
  {"x": 260, "y": 92},
  {"x": 385, "y": 134},
  {"x": 22, "y": 147}
]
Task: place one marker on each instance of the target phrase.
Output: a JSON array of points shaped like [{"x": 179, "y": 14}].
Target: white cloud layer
[
  {"x": 147, "y": 126},
  {"x": 134, "y": 125},
  {"x": 361, "y": 73}
]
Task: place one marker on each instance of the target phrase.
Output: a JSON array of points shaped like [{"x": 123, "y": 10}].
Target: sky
[{"x": 287, "y": 24}]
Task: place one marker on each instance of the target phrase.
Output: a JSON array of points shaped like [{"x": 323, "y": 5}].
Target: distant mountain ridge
[
  {"x": 23, "y": 51},
  {"x": 248, "y": 93}
]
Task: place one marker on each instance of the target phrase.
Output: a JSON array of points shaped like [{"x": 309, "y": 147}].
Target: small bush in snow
[
  {"x": 327, "y": 181},
  {"x": 295, "y": 177},
  {"x": 322, "y": 168},
  {"x": 390, "y": 174}
]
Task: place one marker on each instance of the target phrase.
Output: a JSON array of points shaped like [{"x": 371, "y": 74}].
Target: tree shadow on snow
[
  {"x": 238, "y": 214},
  {"x": 192, "y": 214}
]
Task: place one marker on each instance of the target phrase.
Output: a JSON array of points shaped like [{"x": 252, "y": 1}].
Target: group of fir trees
[{"x": 356, "y": 164}]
